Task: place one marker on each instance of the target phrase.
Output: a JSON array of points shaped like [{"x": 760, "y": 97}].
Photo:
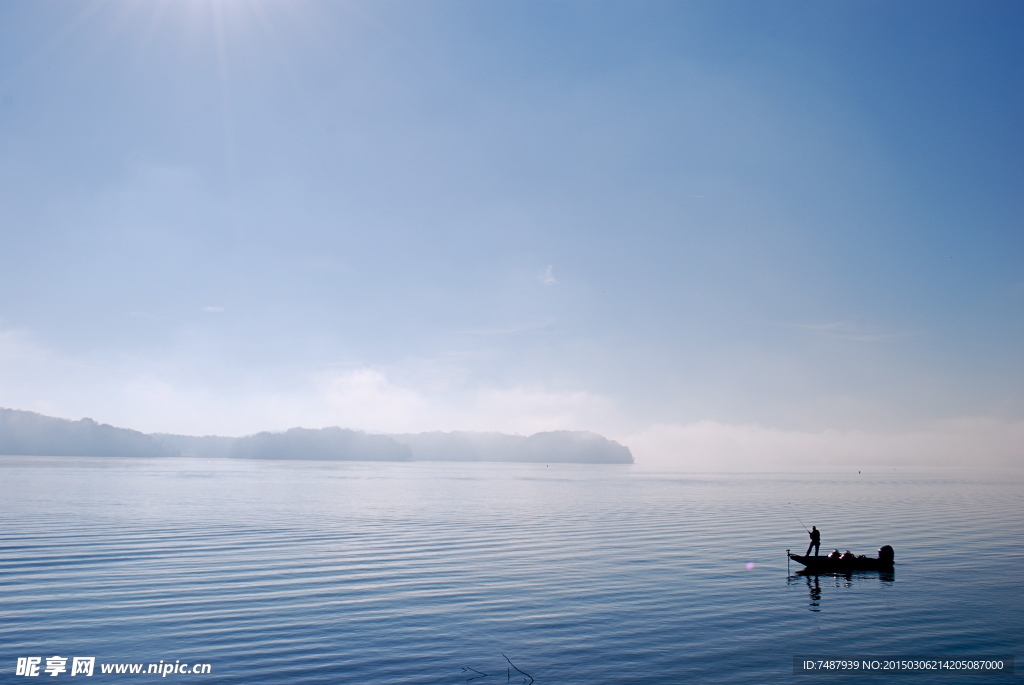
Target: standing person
[{"x": 815, "y": 540}]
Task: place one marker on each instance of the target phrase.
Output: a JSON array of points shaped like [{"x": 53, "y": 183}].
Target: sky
[{"x": 728, "y": 232}]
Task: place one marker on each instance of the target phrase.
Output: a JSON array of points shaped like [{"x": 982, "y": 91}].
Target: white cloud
[
  {"x": 164, "y": 397},
  {"x": 548, "y": 276},
  {"x": 365, "y": 398},
  {"x": 526, "y": 409},
  {"x": 361, "y": 398}
]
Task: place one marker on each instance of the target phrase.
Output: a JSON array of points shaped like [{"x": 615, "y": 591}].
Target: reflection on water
[
  {"x": 815, "y": 593},
  {"x": 814, "y": 582}
]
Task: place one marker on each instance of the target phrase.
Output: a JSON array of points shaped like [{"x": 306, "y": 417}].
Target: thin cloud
[
  {"x": 514, "y": 328},
  {"x": 213, "y": 310},
  {"x": 18, "y": 346},
  {"x": 849, "y": 330},
  {"x": 548, "y": 277}
]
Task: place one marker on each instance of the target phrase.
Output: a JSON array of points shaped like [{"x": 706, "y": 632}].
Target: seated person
[
  {"x": 847, "y": 556},
  {"x": 834, "y": 554}
]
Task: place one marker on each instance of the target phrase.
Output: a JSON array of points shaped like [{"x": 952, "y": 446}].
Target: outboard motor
[{"x": 886, "y": 554}]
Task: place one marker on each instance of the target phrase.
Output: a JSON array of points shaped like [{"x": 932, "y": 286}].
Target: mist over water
[{"x": 313, "y": 572}]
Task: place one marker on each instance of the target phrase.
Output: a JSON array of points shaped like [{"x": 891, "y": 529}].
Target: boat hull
[{"x": 820, "y": 564}]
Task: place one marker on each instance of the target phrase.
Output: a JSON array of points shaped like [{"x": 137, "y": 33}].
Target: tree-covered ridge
[
  {"x": 550, "y": 446},
  {"x": 28, "y": 433},
  {"x": 31, "y": 434}
]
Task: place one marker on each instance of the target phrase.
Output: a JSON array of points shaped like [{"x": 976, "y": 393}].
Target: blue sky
[{"x": 644, "y": 219}]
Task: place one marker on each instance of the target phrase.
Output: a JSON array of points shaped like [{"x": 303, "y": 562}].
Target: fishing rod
[{"x": 797, "y": 517}]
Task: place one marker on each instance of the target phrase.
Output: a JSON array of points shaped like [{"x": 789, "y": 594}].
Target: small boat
[{"x": 831, "y": 564}]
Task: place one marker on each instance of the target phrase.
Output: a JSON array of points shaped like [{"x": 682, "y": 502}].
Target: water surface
[{"x": 316, "y": 572}]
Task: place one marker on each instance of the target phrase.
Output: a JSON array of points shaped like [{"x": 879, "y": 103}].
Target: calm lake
[{"x": 358, "y": 572}]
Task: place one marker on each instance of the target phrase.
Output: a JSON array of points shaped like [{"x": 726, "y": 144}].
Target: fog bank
[{"x": 710, "y": 445}]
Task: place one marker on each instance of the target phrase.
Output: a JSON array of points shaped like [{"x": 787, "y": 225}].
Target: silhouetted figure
[{"x": 815, "y": 541}]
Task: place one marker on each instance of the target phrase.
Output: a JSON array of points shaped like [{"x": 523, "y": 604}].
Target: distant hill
[
  {"x": 333, "y": 443},
  {"x": 580, "y": 447},
  {"x": 31, "y": 434},
  {"x": 326, "y": 443},
  {"x": 28, "y": 433}
]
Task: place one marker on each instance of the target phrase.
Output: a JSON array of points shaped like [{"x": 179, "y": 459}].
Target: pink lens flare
[{"x": 750, "y": 566}]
